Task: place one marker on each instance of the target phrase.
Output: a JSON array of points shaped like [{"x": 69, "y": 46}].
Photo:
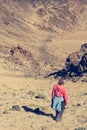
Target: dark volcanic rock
[
  {"x": 16, "y": 108},
  {"x": 76, "y": 63},
  {"x": 75, "y": 66}
]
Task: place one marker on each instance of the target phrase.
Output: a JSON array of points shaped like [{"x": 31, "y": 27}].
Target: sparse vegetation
[
  {"x": 84, "y": 94},
  {"x": 41, "y": 95},
  {"x": 80, "y": 128}
]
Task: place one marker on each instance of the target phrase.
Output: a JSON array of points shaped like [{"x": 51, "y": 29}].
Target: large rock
[
  {"x": 76, "y": 63},
  {"x": 75, "y": 66}
]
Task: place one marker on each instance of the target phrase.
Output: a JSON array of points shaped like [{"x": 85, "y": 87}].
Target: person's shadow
[{"x": 36, "y": 111}]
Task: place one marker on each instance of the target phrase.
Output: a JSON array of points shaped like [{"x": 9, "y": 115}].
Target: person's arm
[
  {"x": 65, "y": 96},
  {"x": 52, "y": 96},
  {"x": 53, "y": 92}
]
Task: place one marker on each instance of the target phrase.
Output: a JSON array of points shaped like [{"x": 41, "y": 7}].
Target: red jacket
[{"x": 60, "y": 90}]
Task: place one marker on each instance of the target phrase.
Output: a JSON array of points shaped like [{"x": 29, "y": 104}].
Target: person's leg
[
  {"x": 62, "y": 108},
  {"x": 60, "y": 114},
  {"x": 55, "y": 115}
]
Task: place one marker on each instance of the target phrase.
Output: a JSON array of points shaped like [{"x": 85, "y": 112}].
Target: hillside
[
  {"x": 38, "y": 27},
  {"x": 38, "y": 38},
  {"x": 41, "y": 20}
]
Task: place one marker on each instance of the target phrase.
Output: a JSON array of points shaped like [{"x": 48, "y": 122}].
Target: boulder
[{"x": 76, "y": 63}]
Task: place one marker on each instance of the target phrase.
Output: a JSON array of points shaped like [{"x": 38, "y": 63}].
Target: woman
[{"x": 59, "y": 99}]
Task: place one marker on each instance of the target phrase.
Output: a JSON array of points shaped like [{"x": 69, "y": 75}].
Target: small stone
[
  {"x": 5, "y": 112},
  {"x": 78, "y": 104},
  {"x": 16, "y": 108}
]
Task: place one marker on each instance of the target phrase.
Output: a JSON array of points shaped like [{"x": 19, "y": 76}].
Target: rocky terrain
[
  {"x": 36, "y": 26},
  {"x": 76, "y": 63},
  {"x": 39, "y": 42},
  {"x": 75, "y": 66}
]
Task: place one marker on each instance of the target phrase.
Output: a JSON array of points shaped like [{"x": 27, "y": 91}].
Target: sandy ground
[{"x": 18, "y": 90}]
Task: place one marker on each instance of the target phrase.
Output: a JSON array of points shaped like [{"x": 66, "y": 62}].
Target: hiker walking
[{"x": 59, "y": 99}]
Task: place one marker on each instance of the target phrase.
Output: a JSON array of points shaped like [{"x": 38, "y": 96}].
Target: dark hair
[{"x": 61, "y": 82}]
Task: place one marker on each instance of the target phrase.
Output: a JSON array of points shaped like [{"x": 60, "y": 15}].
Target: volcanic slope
[{"x": 45, "y": 29}]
